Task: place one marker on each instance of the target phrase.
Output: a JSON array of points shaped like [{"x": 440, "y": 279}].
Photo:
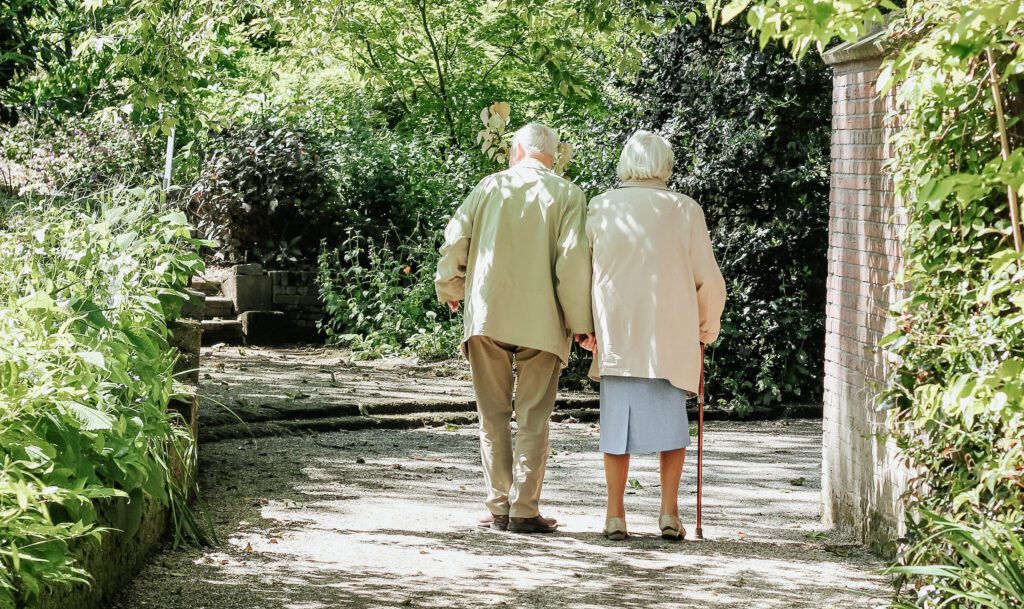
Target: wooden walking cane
[{"x": 698, "y": 532}]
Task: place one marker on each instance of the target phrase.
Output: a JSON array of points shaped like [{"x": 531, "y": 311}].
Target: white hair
[
  {"x": 646, "y": 156},
  {"x": 535, "y": 137}
]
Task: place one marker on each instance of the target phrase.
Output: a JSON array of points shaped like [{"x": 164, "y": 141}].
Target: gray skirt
[{"x": 640, "y": 415}]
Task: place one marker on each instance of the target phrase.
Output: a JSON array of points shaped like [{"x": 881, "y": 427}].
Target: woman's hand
[{"x": 587, "y": 341}]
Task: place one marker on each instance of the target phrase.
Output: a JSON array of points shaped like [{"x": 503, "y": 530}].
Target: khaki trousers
[{"x": 514, "y": 476}]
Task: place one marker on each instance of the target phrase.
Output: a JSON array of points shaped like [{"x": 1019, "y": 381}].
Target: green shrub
[
  {"x": 81, "y": 154},
  {"x": 85, "y": 379},
  {"x": 770, "y": 352},
  {"x": 263, "y": 195},
  {"x": 955, "y": 393},
  {"x": 380, "y": 299}
]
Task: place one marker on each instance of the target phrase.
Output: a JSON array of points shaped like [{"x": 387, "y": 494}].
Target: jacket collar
[
  {"x": 531, "y": 163},
  {"x": 650, "y": 183}
]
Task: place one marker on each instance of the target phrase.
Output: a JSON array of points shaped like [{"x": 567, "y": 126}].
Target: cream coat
[
  {"x": 657, "y": 289},
  {"x": 517, "y": 252}
]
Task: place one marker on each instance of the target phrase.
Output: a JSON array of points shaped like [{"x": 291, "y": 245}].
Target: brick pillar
[{"x": 861, "y": 481}]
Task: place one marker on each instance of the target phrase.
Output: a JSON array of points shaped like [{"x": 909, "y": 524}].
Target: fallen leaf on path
[
  {"x": 396, "y": 466},
  {"x": 798, "y": 481},
  {"x": 248, "y": 548},
  {"x": 633, "y": 482},
  {"x": 360, "y": 460},
  {"x": 273, "y": 541}
]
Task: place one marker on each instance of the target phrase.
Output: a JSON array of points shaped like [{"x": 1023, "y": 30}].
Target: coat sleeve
[
  {"x": 572, "y": 266},
  {"x": 450, "y": 279},
  {"x": 708, "y": 279}
]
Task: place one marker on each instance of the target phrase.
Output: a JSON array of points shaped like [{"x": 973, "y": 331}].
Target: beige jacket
[
  {"x": 516, "y": 251},
  {"x": 658, "y": 291}
]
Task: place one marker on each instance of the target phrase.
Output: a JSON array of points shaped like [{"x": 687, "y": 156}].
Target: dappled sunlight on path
[{"x": 387, "y": 519}]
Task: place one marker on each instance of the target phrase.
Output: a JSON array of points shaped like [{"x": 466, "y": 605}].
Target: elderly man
[{"x": 516, "y": 251}]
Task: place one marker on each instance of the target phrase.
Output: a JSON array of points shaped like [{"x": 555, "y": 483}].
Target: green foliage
[
  {"x": 989, "y": 559},
  {"x": 380, "y": 298},
  {"x": 80, "y": 155},
  {"x": 85, "y": 379},
  {"x": 955, "y": 393},
  {"x": 770, "y": 352},
  {"x": 262, "y": 194},
  {"x": 804, "y": 24},
  {"x": 430, "y": 61}
]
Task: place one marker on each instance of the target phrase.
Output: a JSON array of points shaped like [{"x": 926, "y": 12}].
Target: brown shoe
[
  {"x": 498, "y": 522},
  {"x": 537, "y": 524}
]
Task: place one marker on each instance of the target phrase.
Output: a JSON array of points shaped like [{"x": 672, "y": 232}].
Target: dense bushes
[
  {"x": 79, "y": 155},
  {"x": 379, "y": 297},
  {"x": 85, "y": 378},
  {"x": 751, "y": 132},
  {"x": 377, "y": 284},
  {"x": 262, "y": 194}
]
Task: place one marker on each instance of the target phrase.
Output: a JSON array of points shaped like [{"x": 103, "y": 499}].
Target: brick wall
[
  {"x": 861, "y": 481},
  {"x": 296, "y": 294}
]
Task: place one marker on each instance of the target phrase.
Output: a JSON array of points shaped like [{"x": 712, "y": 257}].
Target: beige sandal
[
  {"x": 615, "y": 529},
  {"x": 671, "y": 527}
]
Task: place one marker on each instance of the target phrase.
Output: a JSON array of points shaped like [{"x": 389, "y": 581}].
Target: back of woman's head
[{"x": 646, "y": 156}]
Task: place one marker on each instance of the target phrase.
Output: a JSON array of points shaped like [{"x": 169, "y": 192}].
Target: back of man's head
[{"x": 535, "y": 139}]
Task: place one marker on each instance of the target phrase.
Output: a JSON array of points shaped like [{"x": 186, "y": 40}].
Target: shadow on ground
[{"x": 377, "y": 518}]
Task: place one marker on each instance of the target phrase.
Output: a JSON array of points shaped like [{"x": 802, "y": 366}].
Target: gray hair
[
  {"x": 535, "y": 137},
  {"x": 646, "y": 156}
]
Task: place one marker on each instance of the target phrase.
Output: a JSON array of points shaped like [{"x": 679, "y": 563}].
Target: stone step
[
  {"x": 293, "y": 410},
  {"x": 295, "y": 427},
  {"x": 195, "y": 306},
  {"x": 219, "y": 307},
  {"x": 210, "y": 287},
  {"x": 227, "y": 331},
  {"x": 290, "y": 416}
]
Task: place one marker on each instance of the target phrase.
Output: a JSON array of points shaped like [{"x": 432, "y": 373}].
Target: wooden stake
[{"x": 1004, "y": 142}]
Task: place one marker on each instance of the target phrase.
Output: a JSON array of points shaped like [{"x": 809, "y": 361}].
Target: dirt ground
[{"x": 386, "y": 518}]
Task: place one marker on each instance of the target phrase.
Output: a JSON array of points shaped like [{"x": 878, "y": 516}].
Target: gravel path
[{"x": 385, "y": 518}]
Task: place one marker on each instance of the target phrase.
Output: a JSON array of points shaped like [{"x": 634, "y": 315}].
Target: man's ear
[{"x": 515, "y": 154}]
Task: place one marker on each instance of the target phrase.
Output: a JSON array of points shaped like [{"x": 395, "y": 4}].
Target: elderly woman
[{"x": 658, "y": 295}]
